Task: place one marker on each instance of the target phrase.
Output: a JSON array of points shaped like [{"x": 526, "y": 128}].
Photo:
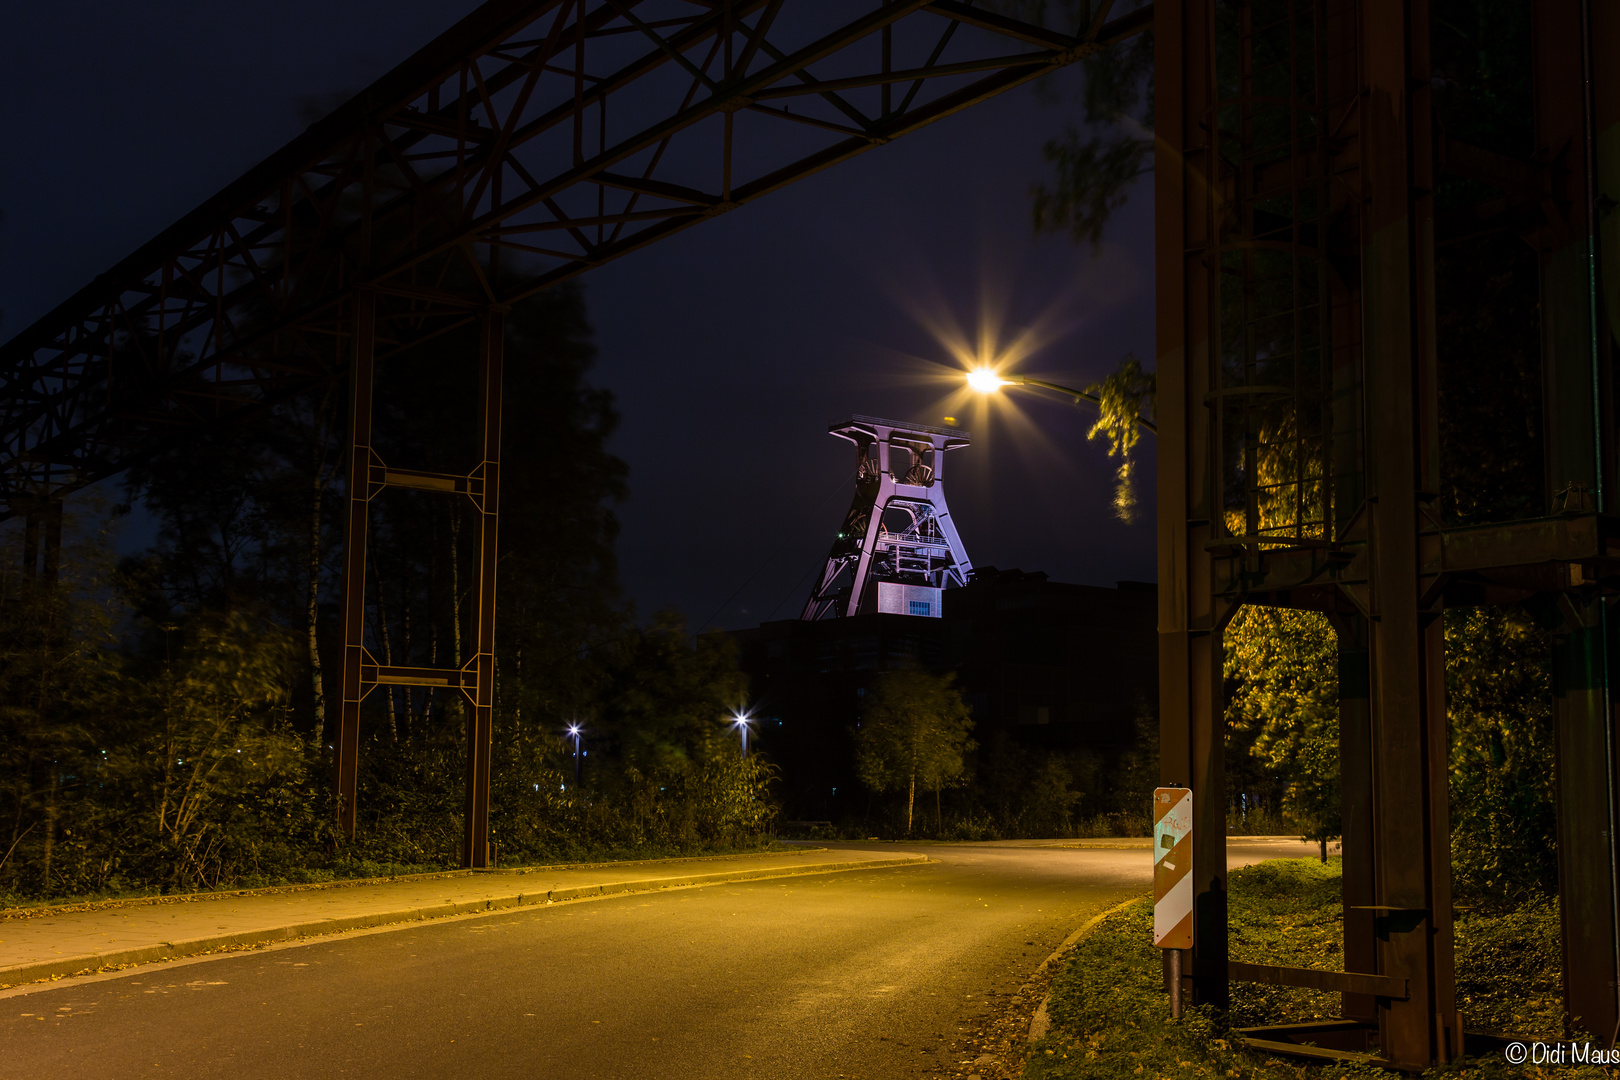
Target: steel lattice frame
[
  {"x": 1299, "y": 461},
  {"x": 534, "y": 140}
]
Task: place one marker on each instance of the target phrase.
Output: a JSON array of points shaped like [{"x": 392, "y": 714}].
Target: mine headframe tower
[
  {"x": 898, "y": 548},
  {"x": 1298, "y": 163}
]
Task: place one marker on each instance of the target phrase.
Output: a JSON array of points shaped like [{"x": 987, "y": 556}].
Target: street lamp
[
  {"x": 573, "y": 729},
  {"x": 741, "y": 721},
  {"x": 986, "y": 381}
]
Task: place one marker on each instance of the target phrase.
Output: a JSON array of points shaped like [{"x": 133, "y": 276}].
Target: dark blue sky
[{"x": 729, "y": 346}]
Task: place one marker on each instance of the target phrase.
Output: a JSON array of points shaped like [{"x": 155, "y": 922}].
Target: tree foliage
[
  {"x": 158, "y": 759},
  {"x": 913, "y": 735},
  {"x": 205, "y": 753},
  {"x": 58, "y": 672},
  {"x": 1124, "y": 398},
  {"x": 1096, "y": 161},
  {"x": 1499, "y": 703},
  {"x": 1283, "y": 667},
  {"x": 669, "y": 694},
  {"x": 164, "y": 727}
]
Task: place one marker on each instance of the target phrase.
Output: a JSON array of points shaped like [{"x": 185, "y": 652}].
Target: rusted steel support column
[
  {"x": 1603, "y": 217},
  {"x": 1192, "y": 740},
  {"x": 346, "y": 758},
  {"x": 1356, "y": 809},
  {"x": 1411, "y": 834},
  {"x": 476, "y": 852},
  {"x": 1342, "y": 246},
  {"x": 1586, "y": 870},
  {"x": 1576, "y": 363}
]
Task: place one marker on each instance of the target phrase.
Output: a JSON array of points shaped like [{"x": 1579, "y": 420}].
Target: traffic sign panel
[{"x": 1172, "y": 868}]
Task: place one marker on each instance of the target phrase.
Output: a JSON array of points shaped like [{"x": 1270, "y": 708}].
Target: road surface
[{"x": 882, "y": 974}]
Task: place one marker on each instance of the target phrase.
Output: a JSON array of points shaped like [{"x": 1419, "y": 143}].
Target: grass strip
[{"x": 1110, "y": 1015}]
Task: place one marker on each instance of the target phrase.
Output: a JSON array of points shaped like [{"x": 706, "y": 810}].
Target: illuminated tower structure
[{"x": 898, "y": 549}]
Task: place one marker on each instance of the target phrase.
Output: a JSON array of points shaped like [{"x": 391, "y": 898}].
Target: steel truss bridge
[
  {"x": 532, "y": 141},
  {"x": 1297, "y": 157}
]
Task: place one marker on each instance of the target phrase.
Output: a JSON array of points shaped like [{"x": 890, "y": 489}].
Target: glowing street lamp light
[
  {"x": 986, "y": 381},
  {"x": 741, "y": 722},
  {"x": 574, "y": 729}
]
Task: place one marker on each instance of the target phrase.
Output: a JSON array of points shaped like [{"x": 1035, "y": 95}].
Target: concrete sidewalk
[{"x": 50, "y": 943}]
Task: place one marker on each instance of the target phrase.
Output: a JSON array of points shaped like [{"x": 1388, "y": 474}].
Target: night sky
[{"x": 729, "y": 347}]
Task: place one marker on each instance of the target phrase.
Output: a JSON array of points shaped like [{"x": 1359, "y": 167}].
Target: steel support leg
[
  {"x": 1411, "y": 839},
  {"x": 1584, "y": 735},
  {"x": 346, "y": 759},
  {"x": 477, "y": 852},
  {"x": 1576, "y": 360},
  {"x": 1356, "y": 810},
  {"x": 1192, "y": 744}
]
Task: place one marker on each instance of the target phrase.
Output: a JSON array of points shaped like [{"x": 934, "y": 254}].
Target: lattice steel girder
[
  {"x": 1516, "y": 559},
  {"x": 533, "y": 140}
]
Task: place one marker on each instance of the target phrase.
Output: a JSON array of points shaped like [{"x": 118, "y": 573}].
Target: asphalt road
[{"x": 881, "y": 974}]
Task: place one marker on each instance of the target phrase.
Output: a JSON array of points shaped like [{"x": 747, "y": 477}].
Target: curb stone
[
  {"x": 171, "y": 950},
  {"x": 1040, "y": 1023},
  {"x": 46, "y": 910}
]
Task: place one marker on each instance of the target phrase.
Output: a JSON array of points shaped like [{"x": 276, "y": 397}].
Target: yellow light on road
[{"x": 985, "y": 381}]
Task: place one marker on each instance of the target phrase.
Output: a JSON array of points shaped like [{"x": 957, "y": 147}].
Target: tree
[
  {"x": 1123, "y": 399},
  {"x": 1097, "y": 161},
  {"x": 58, "y": 676},
  {"x": 1283, "y": 667},
  {"x": 668, "y": 692},
  {"x": 206, "y": 750},
  {"x": 1499, "y": 703},
  {"x": 914, "y": 734}
]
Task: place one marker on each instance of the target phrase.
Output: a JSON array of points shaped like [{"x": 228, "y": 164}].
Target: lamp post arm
[{"x": 1077, "y": 395}]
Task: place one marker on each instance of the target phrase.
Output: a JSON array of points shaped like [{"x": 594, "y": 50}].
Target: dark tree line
[{"x": 166, "y": 717}]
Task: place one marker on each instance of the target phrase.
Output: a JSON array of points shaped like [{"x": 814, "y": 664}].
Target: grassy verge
[{"x": 1110, "y": 1016}]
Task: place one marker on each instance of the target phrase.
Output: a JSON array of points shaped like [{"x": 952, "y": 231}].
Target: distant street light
[
  {"x": 986, "y": 381},
  {"x": 741, "y": 722},
  {"x": 573, "y": 729}
]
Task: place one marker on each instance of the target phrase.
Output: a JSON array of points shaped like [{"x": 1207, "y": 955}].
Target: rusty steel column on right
[
  {"x": 1577, "y": 134},
  {"x": 1338, "y": 206},
  {"x": 1411, "y": 822},
  {"x": 1190, "y": 616}
]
